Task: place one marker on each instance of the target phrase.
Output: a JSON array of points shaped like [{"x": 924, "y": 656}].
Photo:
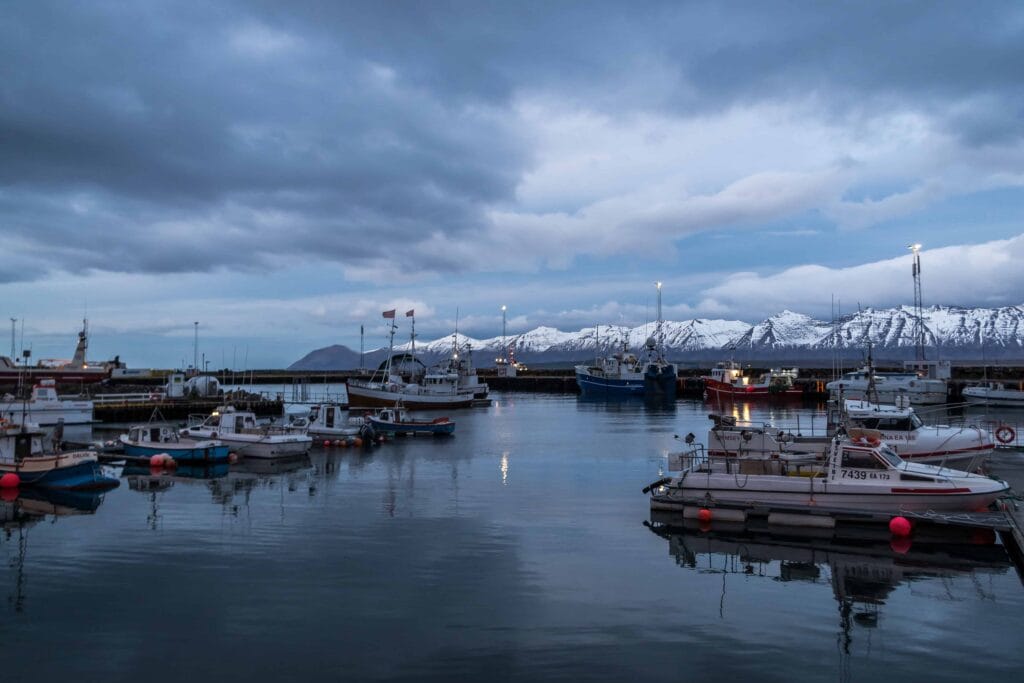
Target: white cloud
[{"x": 980, "y": 274}]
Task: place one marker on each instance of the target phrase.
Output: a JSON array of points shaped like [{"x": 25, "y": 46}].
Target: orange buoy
[
  {"x": 339, "y": 442},
  {"x": 357, "y": 441},
  {"x": 899, "y": 526},
  {"x": 10, "y": 480},
  {"x": 704, "y": 515},
  {"x": 343, "y": 443}
]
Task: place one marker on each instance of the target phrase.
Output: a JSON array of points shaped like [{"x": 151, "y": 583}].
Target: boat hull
[
  {"x": 818, "y": 493},
  {"x": 77, "y": 412},
  {"x": 75, "y": 471},
  {"x": 995, "y": 400},
  {"x": 432, "y": 428},
  {"x": 374, "y": 397},
  {"x": 721, "y": 390},
  {"x": 180, "y": 452},
  {"x": 608, "y": 387}
]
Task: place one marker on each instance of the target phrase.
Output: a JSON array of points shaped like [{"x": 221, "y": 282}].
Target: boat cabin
[
  {"x": 729, "y": 372},
  {"x": 152, "y": 434},
  {"x": 230, "y": 421}
]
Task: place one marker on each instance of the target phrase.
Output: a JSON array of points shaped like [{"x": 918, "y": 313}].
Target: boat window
[
  {"x": 870, "y": 423},
  {"x": 914, "y": 477},
  {"x": 915, "y": 422},
  {"x": 863, "y": 460},
  {"x": 900, "y": 424},
  {"x": 212, "y": 421},
  {"x": 154, "y": 434},
  {"x": 133, "y": 434},
  {"x": 329, "y": 417},
  {"x": 239, "y": 423},
  {"x": 314, "y": 413},
  {"x": 887, "y": 454}
]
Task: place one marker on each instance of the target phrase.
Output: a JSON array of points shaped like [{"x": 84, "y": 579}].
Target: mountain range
[{"x": 950, "y": 332}]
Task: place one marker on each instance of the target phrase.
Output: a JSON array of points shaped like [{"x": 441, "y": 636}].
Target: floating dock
[{"x": 139, "y": 410}]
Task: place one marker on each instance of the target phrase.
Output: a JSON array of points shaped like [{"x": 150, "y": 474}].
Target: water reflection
[
  {"x": 21, "y": 510},
  {"x": 862, "y": 573}
]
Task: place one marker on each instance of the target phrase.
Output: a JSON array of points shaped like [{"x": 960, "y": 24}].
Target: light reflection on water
[{"x": 516, "y": 549}]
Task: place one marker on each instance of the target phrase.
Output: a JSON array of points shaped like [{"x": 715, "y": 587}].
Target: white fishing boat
[
  {"x": 995, "y": 394},
  {"x": 331, "y": 421},
  {"x": 964, "y": 446},
  {"x": 922, "y": 382},
  {"x": 45, "y": 407},
  {"x": 435, "y": 388},
  {"x": 240, "y": 430},
  {"x": 859, "y": 473}
]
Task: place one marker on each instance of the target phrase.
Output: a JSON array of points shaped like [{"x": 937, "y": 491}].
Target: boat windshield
[
  {"x": 916, "y": 422},
  {"x": 889, "y": 456}
]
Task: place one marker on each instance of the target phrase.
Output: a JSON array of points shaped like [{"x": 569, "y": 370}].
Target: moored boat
[
  {"x": 150, "y": 439},
  {"x": 727, "y": 381},
  {"x": 994, "y": 394},
  {"x": 45, "y": 407},
  {"x": 435, "y": 388},
  {"x": 859, "y": 473},
  {"x": 22, "y": 453},
  {"x": 964, "y": 447},
  {"x": 245, "y": 436},
  {"x": 397, "y": 421},
  {"x": 332, "y": 421}
]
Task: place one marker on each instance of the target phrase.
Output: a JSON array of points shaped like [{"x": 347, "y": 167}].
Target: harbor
[{"x": 515, "y": 523}]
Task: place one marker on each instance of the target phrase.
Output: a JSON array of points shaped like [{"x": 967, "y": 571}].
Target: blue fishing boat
[
  {"x": 623, "y": 375},
  {"x": 22, "y": 454},
  {"x": 396, "y": 421},
  {"x": 150, "y": 439}
]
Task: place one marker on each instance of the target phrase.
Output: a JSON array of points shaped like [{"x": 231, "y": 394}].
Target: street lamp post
[{"x": 195, "y": 349}]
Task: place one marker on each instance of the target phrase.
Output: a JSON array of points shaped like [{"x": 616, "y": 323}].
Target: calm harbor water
[{"x": 516, "y": 550}]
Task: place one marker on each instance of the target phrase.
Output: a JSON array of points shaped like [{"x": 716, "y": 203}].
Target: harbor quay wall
[{"x": 551, "y": 380}]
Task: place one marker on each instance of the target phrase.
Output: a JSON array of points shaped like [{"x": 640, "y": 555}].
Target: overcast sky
[{"x": 283, "y": 172}]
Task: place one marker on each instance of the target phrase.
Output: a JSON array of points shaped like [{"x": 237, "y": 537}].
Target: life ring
[{"x": 1005, "y": 434}]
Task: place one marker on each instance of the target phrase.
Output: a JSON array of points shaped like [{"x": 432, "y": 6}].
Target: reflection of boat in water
[
  {"x": 20, "y": 510},
  {"x": 862, "y": 573}
]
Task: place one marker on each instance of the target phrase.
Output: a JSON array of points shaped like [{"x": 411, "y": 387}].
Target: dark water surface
[{"x": 516, "y": 550}]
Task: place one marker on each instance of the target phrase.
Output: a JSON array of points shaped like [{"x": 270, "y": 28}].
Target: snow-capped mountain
[{"x": 954, "y": 330}]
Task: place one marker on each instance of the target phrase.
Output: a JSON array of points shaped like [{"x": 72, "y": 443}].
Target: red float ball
[
  {"x": 899, "y": 526},
  {"x": 327, "y": 443},
  {"x": 10, "y": 480},
  {"x": 704, "y": 515},
  {"x": 156, "y": 460},
  {"x": 232, "y": 458},
  {"x": 900, "y": 545}
]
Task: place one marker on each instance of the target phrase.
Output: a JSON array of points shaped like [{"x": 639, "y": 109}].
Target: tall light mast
[
  {"x": 504, "y": 344},
  {"x": 195, "y": 349},
  {"x": 13, "y": 321},
  {"x": 918, "y": 332},
  {"x": 659, "y": 334}
]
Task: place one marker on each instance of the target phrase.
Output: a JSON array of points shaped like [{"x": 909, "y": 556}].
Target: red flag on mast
[
  {"x": 389, "y": 314},
  {"x": 410, "y": 313}
]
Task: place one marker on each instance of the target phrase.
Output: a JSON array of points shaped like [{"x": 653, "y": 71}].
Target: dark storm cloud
[{"x": 135, "y": 137}]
